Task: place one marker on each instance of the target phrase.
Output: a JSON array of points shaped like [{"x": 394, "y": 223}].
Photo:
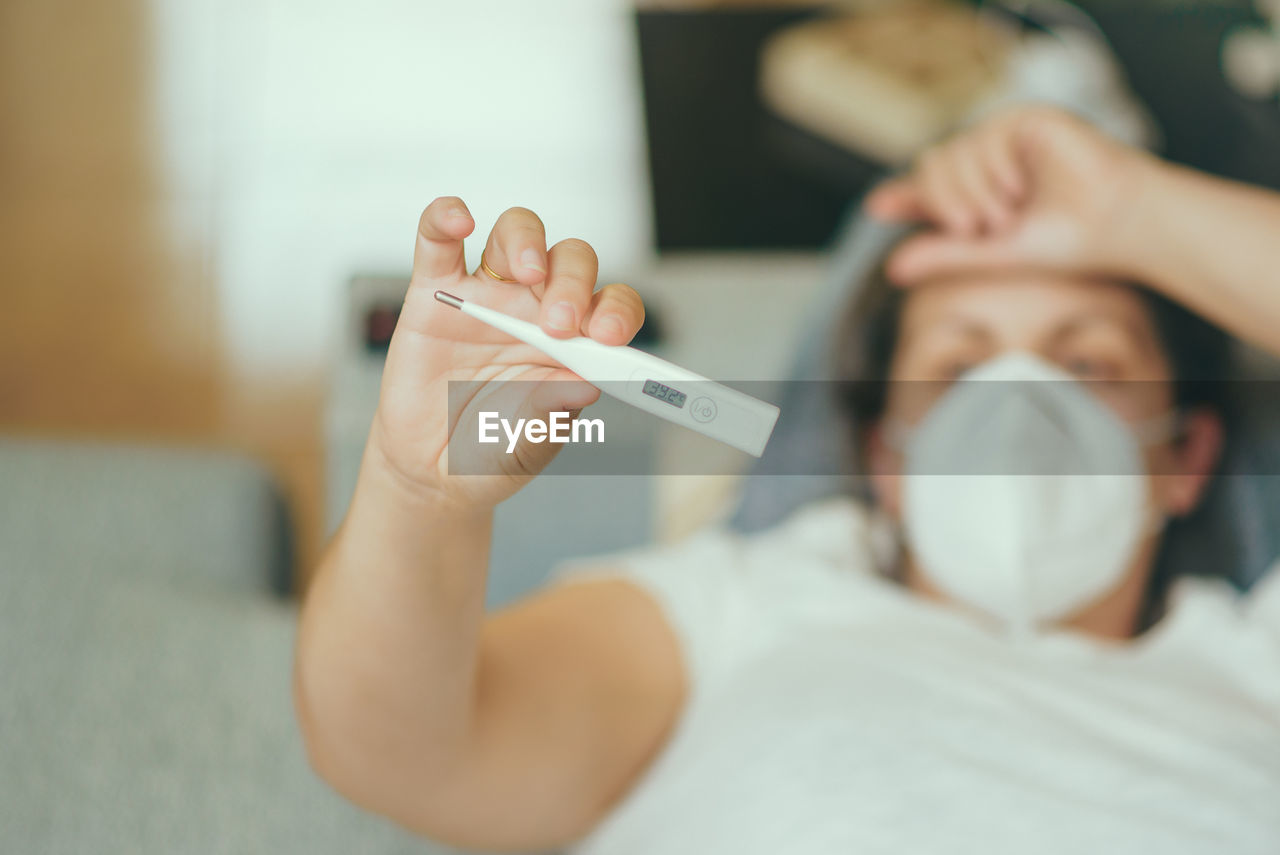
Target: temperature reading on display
[{"x": 654, "y": 389}]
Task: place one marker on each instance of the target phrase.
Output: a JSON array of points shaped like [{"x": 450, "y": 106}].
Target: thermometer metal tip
[{"x": 448, "y": 299}]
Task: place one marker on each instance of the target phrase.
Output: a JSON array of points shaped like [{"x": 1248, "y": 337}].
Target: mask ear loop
[
  {"x": 1169, "y": 425},
  {"x": 886, "y": 544},
  {"x": 896, "y": 434}
]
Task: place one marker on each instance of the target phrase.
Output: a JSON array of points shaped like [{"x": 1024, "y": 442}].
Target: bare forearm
[
  {"x": 389, "y": 636},
  {"x": 1212, "y": 244},
  {"x": 499, "y": 732}
]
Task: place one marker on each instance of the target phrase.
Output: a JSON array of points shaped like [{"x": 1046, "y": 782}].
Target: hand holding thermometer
[{"x": 646, "y": 382}]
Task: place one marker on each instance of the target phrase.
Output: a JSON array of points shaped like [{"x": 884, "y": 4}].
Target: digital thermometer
[{"x": 646, "y": 382}]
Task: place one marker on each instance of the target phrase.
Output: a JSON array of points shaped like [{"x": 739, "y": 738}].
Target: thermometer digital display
[{"x": 662, "y": 392}]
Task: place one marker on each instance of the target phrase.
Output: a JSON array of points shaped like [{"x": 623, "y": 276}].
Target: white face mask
[{"x": 1025, "y": 499}]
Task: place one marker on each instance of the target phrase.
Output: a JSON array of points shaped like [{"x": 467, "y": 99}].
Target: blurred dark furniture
[{"x": 727, "y": 174}]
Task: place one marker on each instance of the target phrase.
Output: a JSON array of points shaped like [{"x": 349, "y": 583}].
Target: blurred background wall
[{"x": 187, "y": 185}]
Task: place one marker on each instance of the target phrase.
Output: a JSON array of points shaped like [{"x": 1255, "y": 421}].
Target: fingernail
[
  {"x": 458, "y": 212},
  {"x": 561, "y": 317},
  {"x": 532, "y": 259},
  {"x": 611, "y": 325}
]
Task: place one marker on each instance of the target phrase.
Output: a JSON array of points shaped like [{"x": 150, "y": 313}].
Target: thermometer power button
[{"x": 703, "y": 409}]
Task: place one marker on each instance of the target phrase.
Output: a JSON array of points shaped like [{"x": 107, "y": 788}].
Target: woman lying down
[{"x": 1015, "y": 683}]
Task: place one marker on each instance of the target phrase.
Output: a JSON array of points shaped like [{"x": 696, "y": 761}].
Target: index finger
[
  {"x": 438, "y": 252},
  {"x": 897, "y": 200}
]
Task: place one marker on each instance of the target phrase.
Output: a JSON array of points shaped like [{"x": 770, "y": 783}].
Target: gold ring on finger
[{"x": 491, "y": 272}]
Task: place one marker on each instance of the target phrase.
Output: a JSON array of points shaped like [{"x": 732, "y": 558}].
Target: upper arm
[{"x": 577, "y": 689}]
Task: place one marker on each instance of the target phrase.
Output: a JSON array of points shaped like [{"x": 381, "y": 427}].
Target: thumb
[
  {"x": 933, "y": 254},
  {"x": 562, "y": 391}
]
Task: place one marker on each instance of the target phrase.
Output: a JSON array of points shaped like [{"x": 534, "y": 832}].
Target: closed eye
[{"x": 1092, "y": 369}]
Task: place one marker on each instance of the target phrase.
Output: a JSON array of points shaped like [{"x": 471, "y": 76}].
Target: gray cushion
[
  {"x": 159, "y": 513},
  {"x": 145, "y": 664},
  {"x": 806, "y": 454}
]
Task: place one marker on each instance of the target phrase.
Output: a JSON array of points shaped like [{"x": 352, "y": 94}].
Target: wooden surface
[{"x": 109, "y": 320}]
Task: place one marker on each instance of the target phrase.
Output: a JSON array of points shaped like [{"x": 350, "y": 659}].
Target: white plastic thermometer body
[{"x": 646, "y": 382}]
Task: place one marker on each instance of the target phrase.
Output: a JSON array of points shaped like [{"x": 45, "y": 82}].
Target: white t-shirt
[{"x": 832, "y": 711}]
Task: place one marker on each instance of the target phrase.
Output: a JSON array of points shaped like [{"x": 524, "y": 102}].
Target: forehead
[{"x": 1022, "y": 308}]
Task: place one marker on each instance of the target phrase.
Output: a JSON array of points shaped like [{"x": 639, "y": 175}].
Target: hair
[{"x": 1199, "y": 355}]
